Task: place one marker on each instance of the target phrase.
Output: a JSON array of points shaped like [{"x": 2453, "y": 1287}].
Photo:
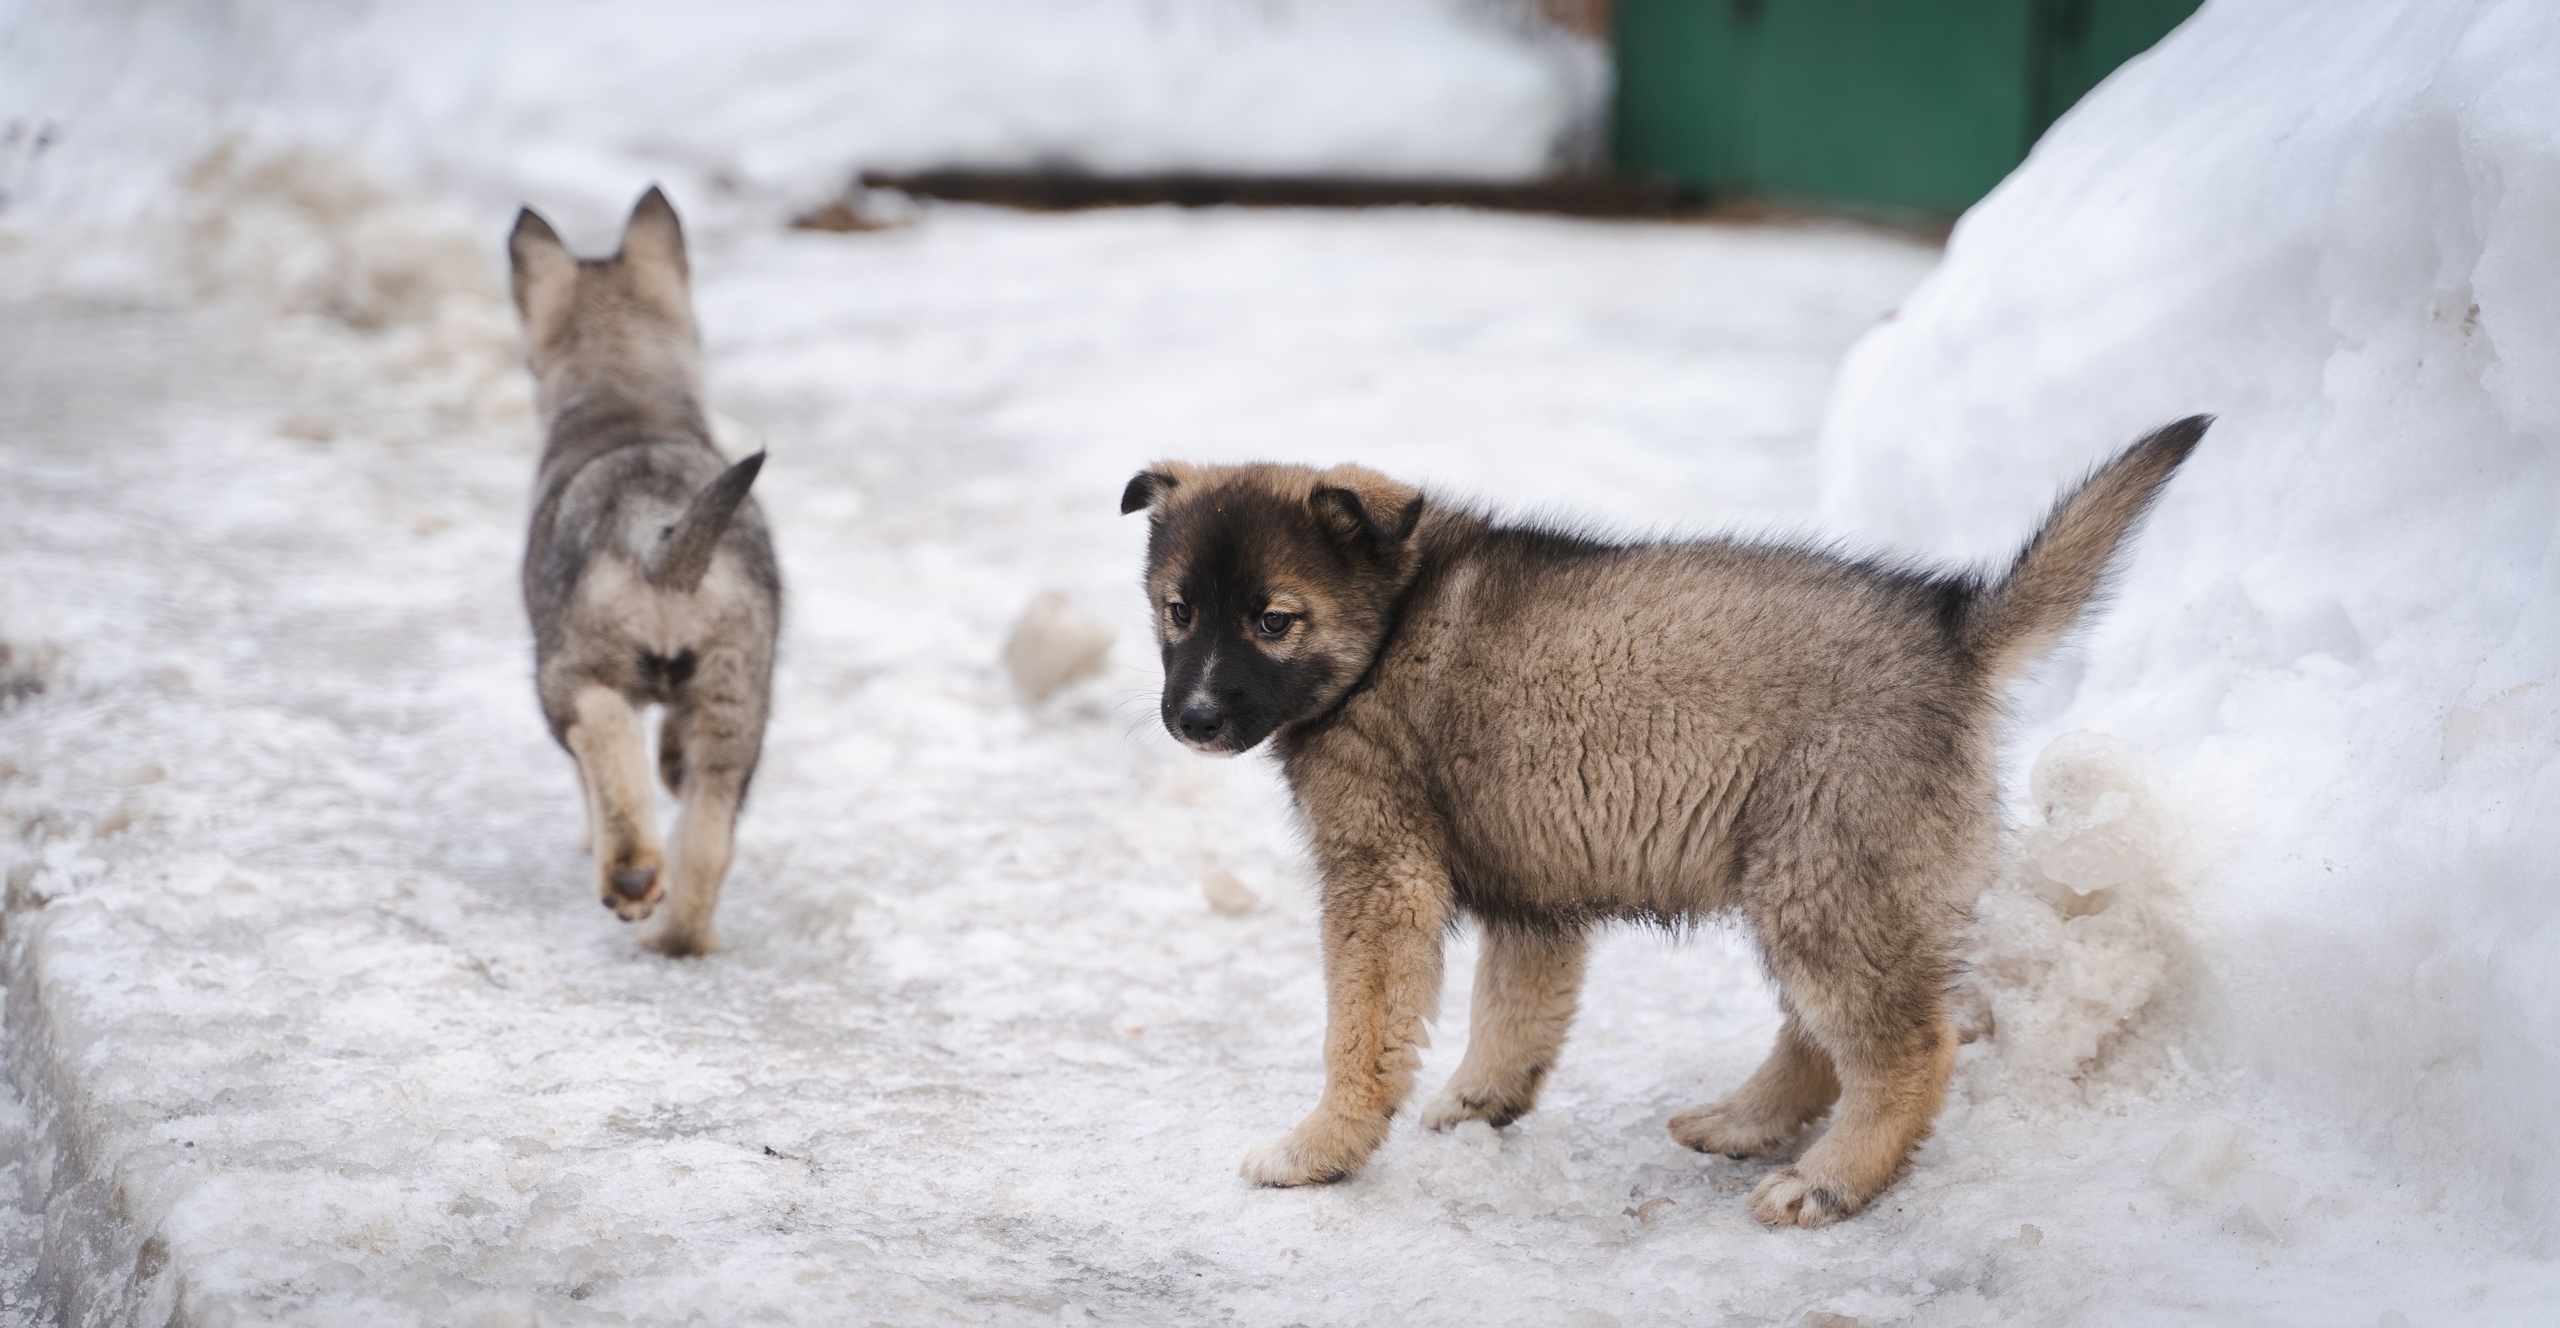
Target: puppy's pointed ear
[
  {"x": 653, "y": 245},
  {"x": 541, "y": 269},
  {"x": 1151, "y": 487},
  {"x": 1357, "y": 503}
]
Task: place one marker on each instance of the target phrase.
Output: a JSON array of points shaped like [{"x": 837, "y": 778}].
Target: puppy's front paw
[
  {"x": 1456, "y": 1105},
  {"x": 1322, "y": 1150},
  {"x": 1723, "y": 1128},
  {"x": 1790, "y": 1198}
]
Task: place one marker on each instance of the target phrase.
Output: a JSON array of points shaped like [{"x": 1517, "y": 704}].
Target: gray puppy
[
  {"x": 649, "y": 574},
  {"x": 1548, "y": 732}
]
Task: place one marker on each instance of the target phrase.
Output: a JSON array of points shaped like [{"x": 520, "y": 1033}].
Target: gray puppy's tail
[
  {"x": 684, "y": 551},
  {"x": 2009, "y": 624}
]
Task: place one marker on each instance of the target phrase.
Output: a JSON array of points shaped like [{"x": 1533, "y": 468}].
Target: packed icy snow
[{"x": 314, "y": 1020}]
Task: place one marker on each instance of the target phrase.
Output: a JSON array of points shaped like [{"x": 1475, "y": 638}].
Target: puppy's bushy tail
[
  {"x": 2027, "y": 612},
  {"x": 684, "y": 552}
]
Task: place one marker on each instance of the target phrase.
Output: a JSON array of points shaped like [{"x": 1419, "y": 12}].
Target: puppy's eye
[
  {"x": 1276, "y": 624},
  {"x": 1179, "y": 612}
]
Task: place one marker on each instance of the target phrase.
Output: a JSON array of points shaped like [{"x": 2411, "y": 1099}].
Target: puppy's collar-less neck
[
  {"x": 590, "y": 408},
  {"x": 1396, "y": 609}
]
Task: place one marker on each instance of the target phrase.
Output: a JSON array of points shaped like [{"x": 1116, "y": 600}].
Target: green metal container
[{"x": 1898, "y": 107}]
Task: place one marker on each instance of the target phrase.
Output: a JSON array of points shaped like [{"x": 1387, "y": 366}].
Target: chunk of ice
[
  {"x": 1227, "y": 894},
  {"x": 2098, "y": 831},
  {"x": 1055, "y": 642},
  {"x": 2202, "y": 1157}
]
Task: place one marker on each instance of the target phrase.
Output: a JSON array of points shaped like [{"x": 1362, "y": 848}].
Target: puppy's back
[
  {"x": 1752, "y": 633},
  {"x": 1605, "y": 716},
  {"x": 621, "y": 503}
]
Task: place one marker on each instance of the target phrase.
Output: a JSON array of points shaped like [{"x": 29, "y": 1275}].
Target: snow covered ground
[
  {"x": 314, "y": 1022},
  {"x": 325, "y": 1026}
]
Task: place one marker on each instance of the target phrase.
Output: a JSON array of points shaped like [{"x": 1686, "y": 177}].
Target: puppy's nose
[{"x": 1200, "y": 723}]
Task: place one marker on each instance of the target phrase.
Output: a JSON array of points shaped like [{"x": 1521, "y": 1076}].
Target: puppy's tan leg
[
  {"x": 622, "y": 821},
  {"x": 1528, "y": 982},
  {"x": 1791, "y": 1088},
  {"x": 1890, "y": 1094},
  {"x": 707, "y": 754},
  {"x": 1852, "y": 896},
  {"x": 1382, "y": 938},
  {"x": 1870, "y": 992},
  {"x": 703, "y": 843}
]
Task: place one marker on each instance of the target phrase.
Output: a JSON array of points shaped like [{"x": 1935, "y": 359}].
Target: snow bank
[
  {"x": 775, "y": 103},
  {"x": 2338, "y": 226}
]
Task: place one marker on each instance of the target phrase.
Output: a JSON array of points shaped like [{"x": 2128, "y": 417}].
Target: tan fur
[
  {"x": 2065, "y": 566},
  {"x": 622, "y": 817},
  {"x": 1528, "y": 982},
  {"x": 1789, "y": 1091},
  {"x": 1548, "y": 732},
  {"x": 1382, "y": 981},
  {"x": 649, "y": 576}
]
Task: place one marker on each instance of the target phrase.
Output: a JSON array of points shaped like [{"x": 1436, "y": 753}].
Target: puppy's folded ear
[
  {"x": 1356, "y": 502},
  {"x": 541, "y": 269},
  {"x": 1150, "y": 487}
]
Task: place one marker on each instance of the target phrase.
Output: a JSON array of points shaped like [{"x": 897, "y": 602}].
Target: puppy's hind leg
[
  {"x": 622, "y": 821},
  {"x": 1791, "y": 1088},
  {"x": 712, "y": 739},
  {"x": 586, "y": 810},
  {"x": 671, "y": 751},
  {"x": 704, "y": 841},
  {"x": 1892, "y": 1086},
  {"x": 1872, "y": 995},
  {"x": 1528, "y": 981}
]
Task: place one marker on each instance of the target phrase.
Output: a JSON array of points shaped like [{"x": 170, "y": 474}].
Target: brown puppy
[
  {"x": 1549, "y": 732},
  {"x": 648, "y": 573}
]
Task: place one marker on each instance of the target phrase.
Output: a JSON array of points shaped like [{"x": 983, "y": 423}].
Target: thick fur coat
[
  {"x": 1548, "y": 732},
  {"x": 648, "y": 571}
]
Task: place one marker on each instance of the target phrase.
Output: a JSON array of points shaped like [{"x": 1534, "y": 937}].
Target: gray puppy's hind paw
[{"x": 678, "y": 939}]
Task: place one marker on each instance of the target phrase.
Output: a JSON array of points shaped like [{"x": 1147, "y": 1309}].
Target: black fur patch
[
  {"x": 662, "y": 677},
  {"x": 1234, "y": 550},
  {"x": 1142, "y": 490}
]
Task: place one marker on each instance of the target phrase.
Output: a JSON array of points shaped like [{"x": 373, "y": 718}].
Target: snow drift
[{"x": 2337, "y": 226}]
